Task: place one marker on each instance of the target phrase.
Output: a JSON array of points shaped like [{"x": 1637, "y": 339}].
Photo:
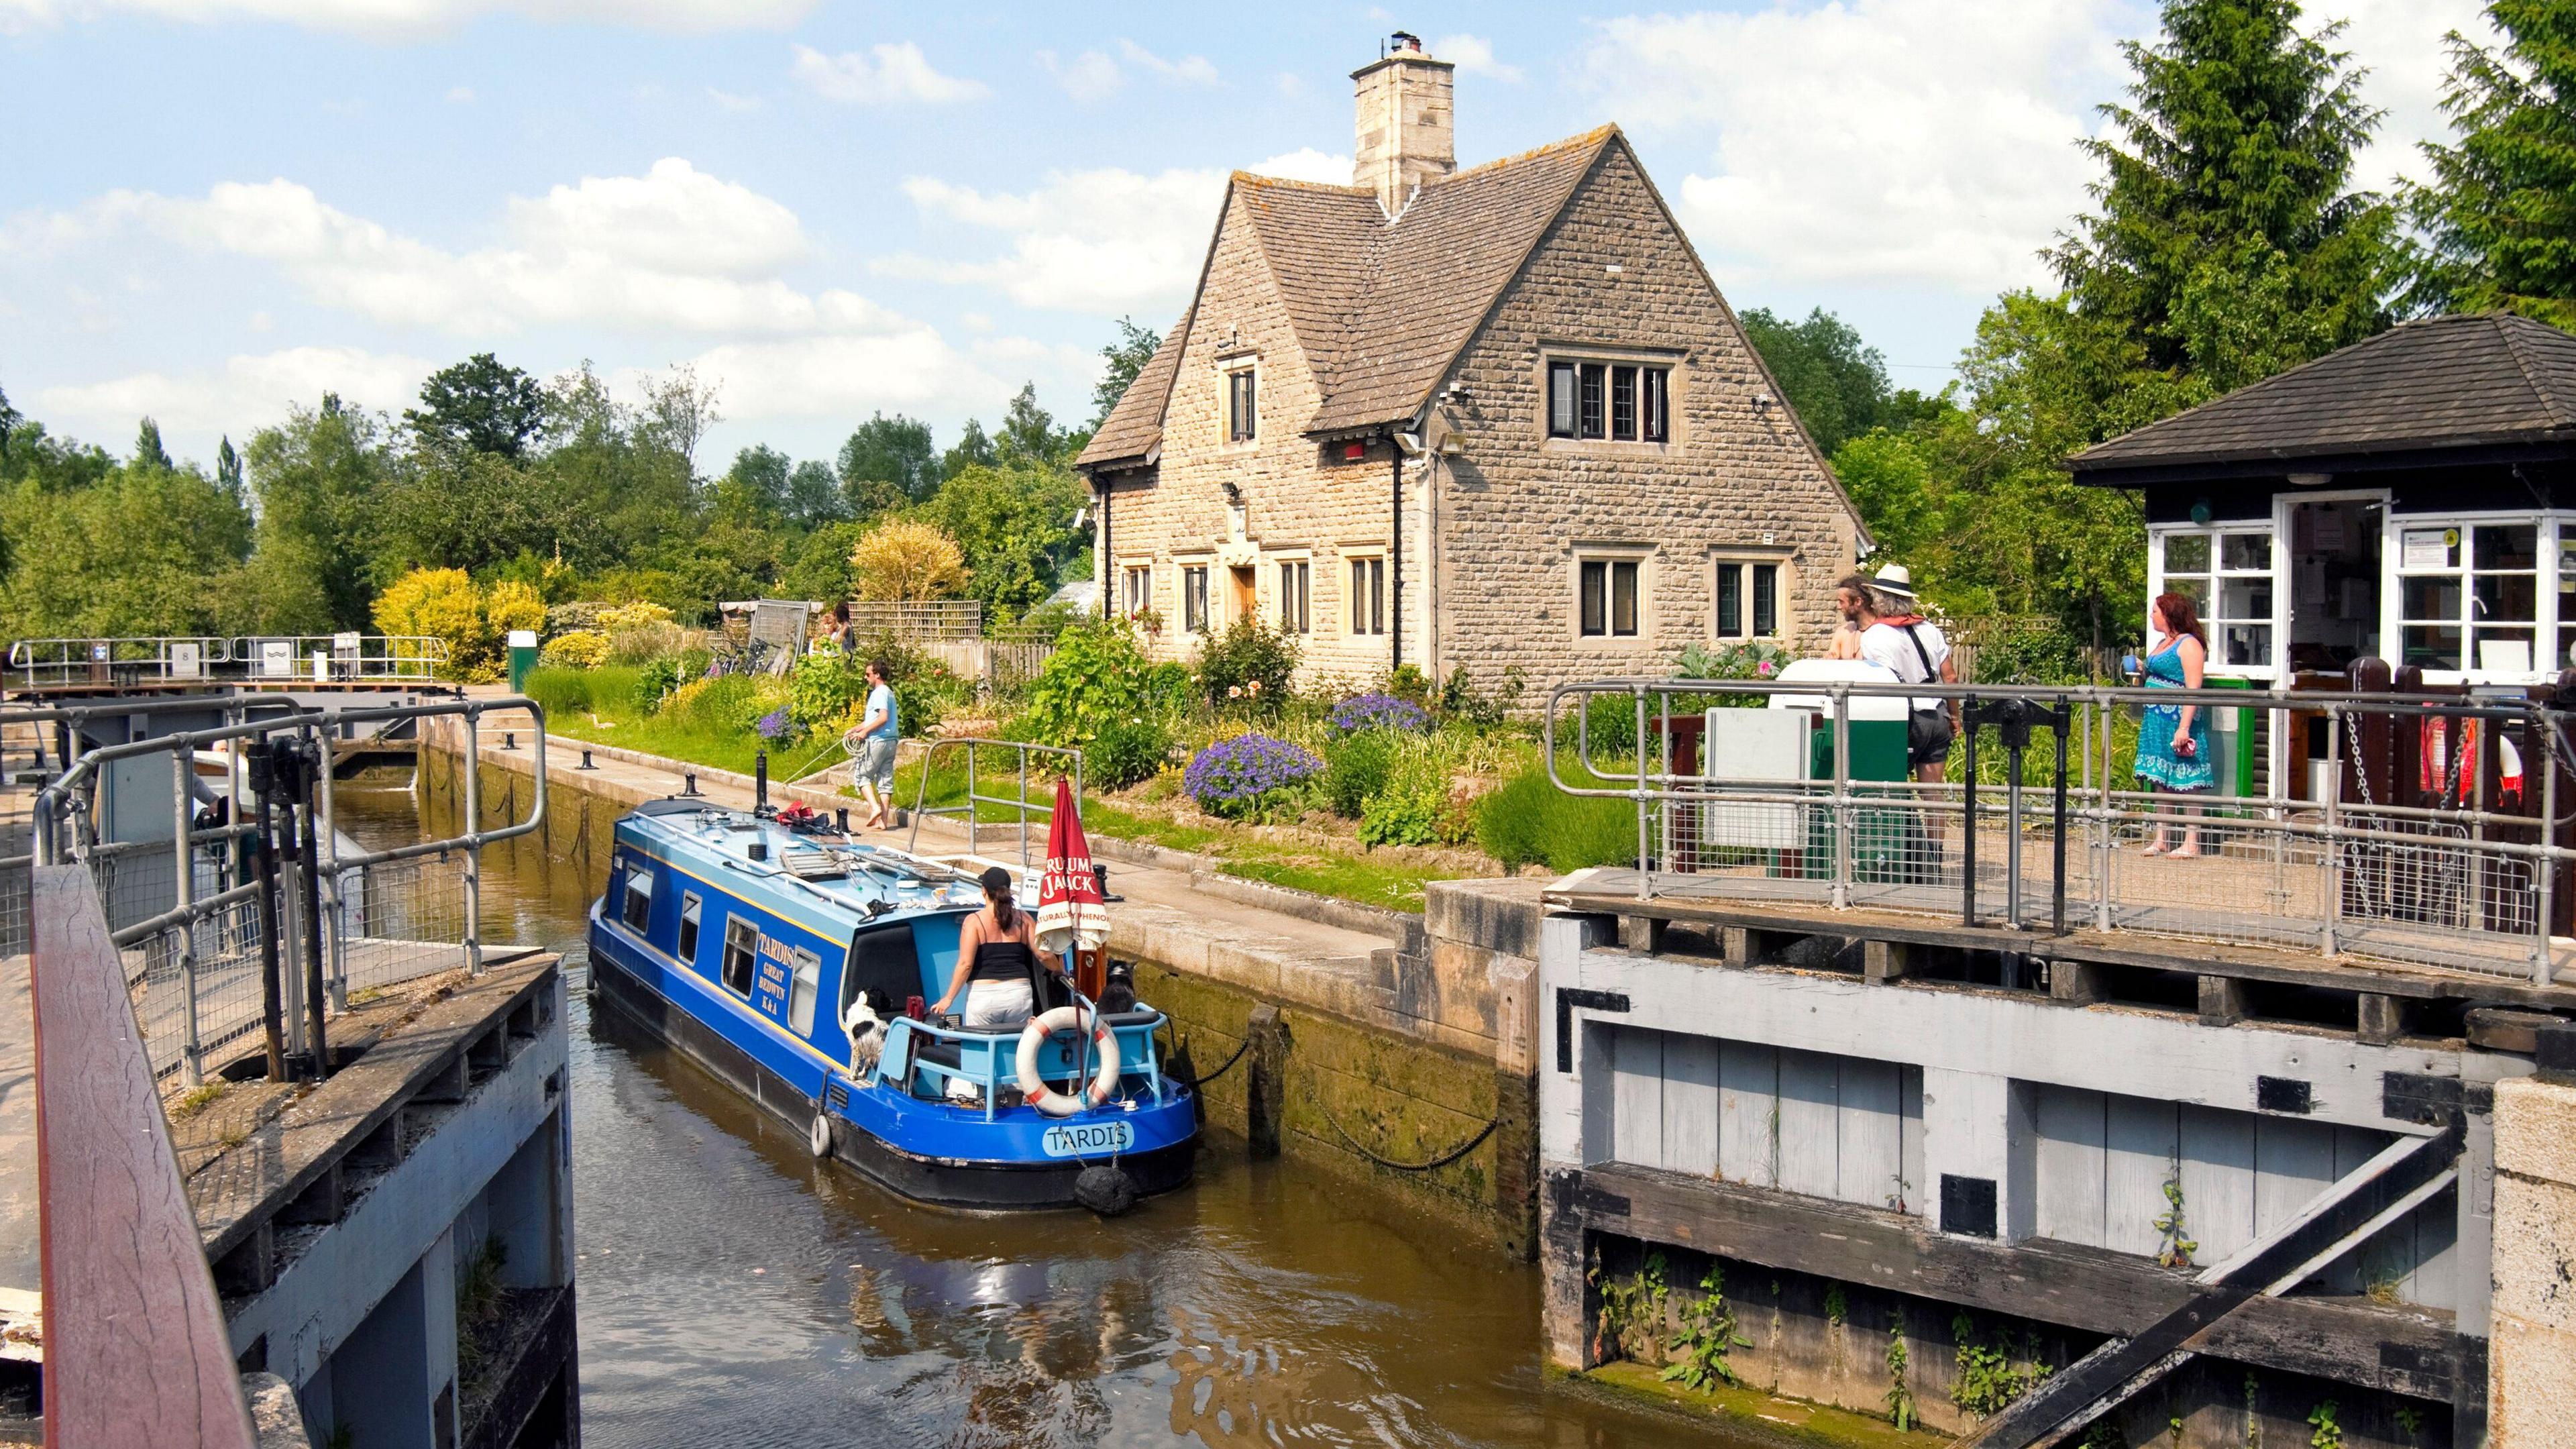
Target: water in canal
[{"x": 734, "y": 1292}]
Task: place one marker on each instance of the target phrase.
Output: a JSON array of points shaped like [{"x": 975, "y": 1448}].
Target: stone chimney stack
[{"x": 1406, "y": 134}]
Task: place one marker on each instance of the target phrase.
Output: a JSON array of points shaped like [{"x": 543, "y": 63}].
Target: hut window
[
  {"x": 2469, "y": 596},
  {"x": 2228, "y": 575}
]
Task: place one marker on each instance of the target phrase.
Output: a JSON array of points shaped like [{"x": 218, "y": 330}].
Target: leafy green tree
[
  {"x": 480, "y": 405},
  {"x": 1015, "y": 525},
  {"x": 1836, "y": 383},
  {"x": 2227, "y": 216},
  {"x": 228, "y": 467},
  {"x": 818, "y": 565},
  {"x": 318, "y": 477},
  {"x": 1121, "y": 360},
  {"x": 148, "y": 452},
  {"x": 814, "y": 495},
  {"x": 888, "y": 462},
  {"x": 755, "y": 488},
  {"x": 972, "y": 450},
  {"x": 142, "y": 550},
  {"x": 1029, "y": 433},
  {"x": 9, "y": 420},
  {"x": 2498, "y": 221}
]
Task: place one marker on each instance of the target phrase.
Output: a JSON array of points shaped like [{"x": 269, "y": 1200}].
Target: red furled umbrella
[{"x": 1071, "y": 914}]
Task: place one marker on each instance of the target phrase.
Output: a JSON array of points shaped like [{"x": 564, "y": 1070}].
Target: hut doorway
[{"x": 2335, "y": 580}]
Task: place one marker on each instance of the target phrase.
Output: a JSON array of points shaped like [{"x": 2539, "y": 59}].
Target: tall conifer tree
[
  {"x": 2499, "y": 217},
  {"x": 2230, "y": 243}
]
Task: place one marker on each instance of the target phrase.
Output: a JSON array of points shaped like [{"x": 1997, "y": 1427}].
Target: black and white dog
[{"x": 866, "y": 1031}]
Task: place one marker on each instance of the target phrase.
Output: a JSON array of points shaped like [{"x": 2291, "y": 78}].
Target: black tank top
[{"x": 1003, "y": 960}]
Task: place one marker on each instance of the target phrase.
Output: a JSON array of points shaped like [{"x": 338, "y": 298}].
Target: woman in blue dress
[{"x": 2173, "y": 742}]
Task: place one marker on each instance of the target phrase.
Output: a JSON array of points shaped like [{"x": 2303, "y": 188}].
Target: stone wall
[
  {"x": 1737, "y": 480},
  {"x": 2531, "y": 1372}
]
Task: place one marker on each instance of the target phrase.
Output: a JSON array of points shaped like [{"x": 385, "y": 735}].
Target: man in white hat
[{"x": 1894, "y": 633}]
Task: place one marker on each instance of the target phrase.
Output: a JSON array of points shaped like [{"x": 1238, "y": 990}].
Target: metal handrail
[
  {"x": 359, "y": 658},
  {"x": 2457, "y": 835},
  {"x": 1023, "y": 805},
  {"x": 67, "y": 798}
]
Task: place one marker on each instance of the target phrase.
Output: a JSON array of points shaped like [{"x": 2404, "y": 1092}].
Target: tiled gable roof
[
  {"x": 1381, "y": 306},
  {"x": 2473, "y": 380}
]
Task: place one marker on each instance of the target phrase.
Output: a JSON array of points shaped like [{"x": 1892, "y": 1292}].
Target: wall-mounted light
[
  {"x": 1233, "y": 492},
  {"x": 1762, "y": 402},
  {"x": 2310, "y": 480},
  {"x": 2200, "y": 511}
]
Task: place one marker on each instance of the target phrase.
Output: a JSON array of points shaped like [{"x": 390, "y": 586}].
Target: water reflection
[{"x": 732, "y": 1291}]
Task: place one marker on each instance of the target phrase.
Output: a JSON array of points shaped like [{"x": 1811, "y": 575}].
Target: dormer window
[
  {"x": 1609, "y": 401},
  {"x": 1242, "y": 404}
]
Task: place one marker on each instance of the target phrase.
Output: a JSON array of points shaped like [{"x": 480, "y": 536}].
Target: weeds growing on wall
[
  {"x": 2173, "y": 1249},
  {"x": 1632, "y": 1310},
  {"x": 1837, "y": 1307},
  {"x": 1708, "y": 1334},
  {"x": 1987, "y": 1380},
  {"x": 2325, "y": 1432},
  {"x": 1900, "y": 1399}
]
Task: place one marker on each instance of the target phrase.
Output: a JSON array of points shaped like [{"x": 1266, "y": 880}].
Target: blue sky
[{"x": 213, "y": 208}]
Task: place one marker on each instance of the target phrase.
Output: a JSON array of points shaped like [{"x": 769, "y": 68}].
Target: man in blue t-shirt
[{"x": 872, "y": 748}]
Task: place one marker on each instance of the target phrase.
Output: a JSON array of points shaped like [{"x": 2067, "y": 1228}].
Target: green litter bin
[{"x": 523, "y": 657}]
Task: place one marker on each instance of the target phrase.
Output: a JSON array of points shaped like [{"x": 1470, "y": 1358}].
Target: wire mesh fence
[{"x": 2419, "y": 828}]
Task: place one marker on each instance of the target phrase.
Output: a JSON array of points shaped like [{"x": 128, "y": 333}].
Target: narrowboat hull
[{"x": 971, "y": 1163}]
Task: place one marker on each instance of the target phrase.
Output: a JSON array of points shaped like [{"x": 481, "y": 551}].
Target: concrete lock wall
[
  {"x": 2531, "y": 1375},
  {"x": 1794, "y": 1086}
]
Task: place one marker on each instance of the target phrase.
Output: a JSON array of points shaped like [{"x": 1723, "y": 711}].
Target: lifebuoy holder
[{"x": 1104, "y": 1083}]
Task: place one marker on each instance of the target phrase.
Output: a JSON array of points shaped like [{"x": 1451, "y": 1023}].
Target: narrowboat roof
[{"x": 845, "y": 881}]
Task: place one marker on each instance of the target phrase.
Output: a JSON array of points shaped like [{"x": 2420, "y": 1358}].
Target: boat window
[
  {"x": 639, "y": 898},
  {"x": 742, "y": 943},
  {"x": 800, "y": 991},
  {"x": 883, "y": 964},
  {"x": 689, "y": 911}
]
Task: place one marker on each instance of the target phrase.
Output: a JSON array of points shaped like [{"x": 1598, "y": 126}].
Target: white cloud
[
  {"x": 1475, "y": 55},
  {"x": 408, "y": 19},
  {"x": 1095, "y": 76},
  {"x": 460, "y": 95},
  {"x": 1886, "y": 140},
  {"x": 1103, "y": 241},
  {"x": 1090, "y": 76},
  {"x": 824, "y": 377},
  {"x": 245, "y": 393},
  {"x": 1194, "y": 70},
  {"x": 1306, "y": 164},
  {"x": 1291, "y": 85},
  {"x": 885, "y": 75},
  {"x": 672, "y": 249},
  {"x": 728, "y": 101}
]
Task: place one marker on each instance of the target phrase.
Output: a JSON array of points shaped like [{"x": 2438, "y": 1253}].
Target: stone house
[{"x": 1477, "y": 419}]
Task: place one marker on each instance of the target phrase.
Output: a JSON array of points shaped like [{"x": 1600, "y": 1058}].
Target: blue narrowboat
[{"x": 761, "y": 949}]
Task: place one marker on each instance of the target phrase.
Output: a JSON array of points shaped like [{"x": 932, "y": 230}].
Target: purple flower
[
  {"x": 775, "y": 725},
  {"x": 1377, "y": 710},
  {"x": 1231, "y": 776}
]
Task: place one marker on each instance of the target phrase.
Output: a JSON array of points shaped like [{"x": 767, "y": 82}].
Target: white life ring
[{"x": 1104, "y": 1043}]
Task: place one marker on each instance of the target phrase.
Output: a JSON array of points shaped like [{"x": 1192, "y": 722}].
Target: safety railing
[
  {"x": 339, "y": 658},
  {"x": 123, "y": 663},
  {"x": 260, "y": 917},
  {"x": 2420, "y": 827},
  {"x": 1024, "y": 809},
  {"x": 62, "y": 663}
]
